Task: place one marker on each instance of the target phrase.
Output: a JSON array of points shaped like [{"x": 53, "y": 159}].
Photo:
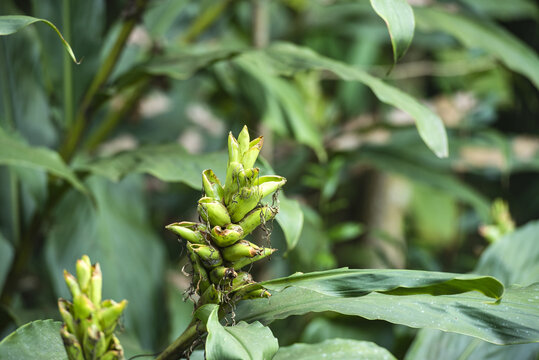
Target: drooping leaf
[
  {"x": 399, "y": 18},
  {"x": 168, "y": 162},
  {"x": 36, "y": 340},
  {"x": 10, "y": 24},
  {"x": 512, "y": 259},
  {"x": 242, "y": 341},
  {"x": 16, "y": 153},
  {"x": 493, "y": 39},
  {"x": 370, "y": 294},
  {"x": 290, "y": 219},
  {"x": 283, "y": 104},
  {"x": 286, "y": 59},
  {"x": 342, "y": 349},
  {"x": 117, "y": 234}
]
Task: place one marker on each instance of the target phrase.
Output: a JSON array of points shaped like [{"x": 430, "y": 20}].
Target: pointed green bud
[
  {"x": 213, "y": 211},
  {"x": 240, "y": 250},
  {"x": 66, "y": 308},
  {"x": 226, "y": 236},
  {"x": 84, "y": 272},
  {"x": 200, "y": 280},
  {"x": 210, "y": 256},
  {"x": 190, "y": 231},
  {"x": 257, "y": 217},
  {"x": 211, "y": 296},
  {"x": 82, "y": 307},
  {"x": 233, "y": 149},
  {"x": 269, "y": 184},
  {"x": 232, "y": 183},
  {"x": 247, "y": 177},
  {"x": 221, "y": 274},
  {"x": 112, "y": 355},
  {"x": 249, "y": 157},
  {"x": 242, "y": 203},
  {"x": 72, "y": 284},
  {"x": 212, "y": 186},
  {"x": 109, "y": 315},
  {"x": 243, "y": 140},
  {"x": 257, "y": 294},
  {"x": 243, "y": 278},
  {"x": 71, "y": 344},
  {"x": 96, "y": 285},
  {"x": 93, "y": 343},
  {"x": 247, "y": 260}
]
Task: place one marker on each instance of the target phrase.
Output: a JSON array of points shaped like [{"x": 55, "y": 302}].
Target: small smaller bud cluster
[
  {"x": 217, "y": 248},
  {"x": 89, "y": 323},
  {"x": 502, "y": 225}
]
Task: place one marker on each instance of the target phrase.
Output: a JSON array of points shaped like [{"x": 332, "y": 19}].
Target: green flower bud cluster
[
  {"x": 217, "y": 247},
  {"x": 89, "y": 322}
]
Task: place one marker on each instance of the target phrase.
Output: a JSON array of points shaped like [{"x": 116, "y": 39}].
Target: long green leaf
[
  {"x": 36, "y": 340},
  {"x": 399, "y": 18},
  {"x": 17, "y": 153},
  {"x": 342, "y": 349},
  {"x": 168, "y": 162},
  {"x": 242, "y": 341},
  {"x": 370, "y": 294},
  {"x": 286, "y": 59},
  {"x": 512, "y": 259},
  {"x": 484, "y": 35},
  {"x": 353, "y": 283},
  {"x": 10, "y": 24}
]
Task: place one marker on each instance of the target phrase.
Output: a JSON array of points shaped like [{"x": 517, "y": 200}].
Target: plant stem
[
  {"x": 68, "y": 69},
  {"x": 204, "y": 20},
  {"x": 115, "y": 115},
  {"x": 8, "y": 88},
  {"x": 175, "y": 350},
  {"x": 75, "y": 132}
]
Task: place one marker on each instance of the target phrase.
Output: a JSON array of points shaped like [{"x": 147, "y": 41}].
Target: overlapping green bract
[
  {"x": 217, "y": 248},
  {"x": 89, "y": 323}
]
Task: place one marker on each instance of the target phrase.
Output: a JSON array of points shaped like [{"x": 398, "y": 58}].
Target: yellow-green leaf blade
[{"x": 399, "y": 18}]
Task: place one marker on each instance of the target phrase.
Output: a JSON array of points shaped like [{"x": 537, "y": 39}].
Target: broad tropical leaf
[
  {"x": 242, "y": 341},
  {"x": 16, "y": 153},
  {"x": 36, "y": 340},
  {"x": 10, "y": 24},
  {"x": 430, "y": 300},
  {"x": 512, "y": 259},
  {"x": 169, "y": 162},
  {"x": 342, "y": 349},
  {"x": 399, "y": 18}
]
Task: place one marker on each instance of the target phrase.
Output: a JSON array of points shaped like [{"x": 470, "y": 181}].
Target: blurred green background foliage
[{"x": 97, "y": 158}]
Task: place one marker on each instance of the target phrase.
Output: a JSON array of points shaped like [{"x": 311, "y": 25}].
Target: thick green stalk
[
  {"x": 8, "y": 88},
  {"x": 115, "y": 115},
  {"x": 73, "y": 135},
  {"x": 204, "y": 20},
  {"x": 68, "y": 69},
  {"x": 183, "y": 343}
]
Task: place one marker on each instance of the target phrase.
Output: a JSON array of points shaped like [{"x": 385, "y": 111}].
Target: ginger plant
[
  {"x": 89, "y": 322},
  {"x": 217, "y": 249}
]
